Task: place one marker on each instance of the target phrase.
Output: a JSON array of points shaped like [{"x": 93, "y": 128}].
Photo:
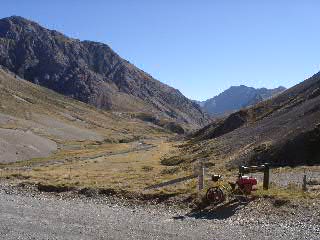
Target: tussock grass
[
  {"x": 121, "y": 168},
  {"x": 172, "y": 161}
]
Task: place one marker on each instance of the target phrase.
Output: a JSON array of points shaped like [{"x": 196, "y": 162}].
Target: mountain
[
  {"x": 283, "y": 130},
  {"x": 90, "y": 72},
  {"x": 237, "y": 97}
]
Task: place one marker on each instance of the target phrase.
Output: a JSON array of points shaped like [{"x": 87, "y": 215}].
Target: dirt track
[{"x": 40, "y": 216}]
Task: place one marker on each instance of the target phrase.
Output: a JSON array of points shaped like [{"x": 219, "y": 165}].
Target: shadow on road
[{"x": 220, "y": 212}]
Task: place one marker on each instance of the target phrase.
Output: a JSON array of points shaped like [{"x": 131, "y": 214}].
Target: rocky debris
[{"x": 88, "y": 71}]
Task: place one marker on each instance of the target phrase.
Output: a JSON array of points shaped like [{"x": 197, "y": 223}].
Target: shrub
[
  {"x": 147, "y": 168},
  {"x": 172, "y": 161},
  {"x": 170, "y": 170}
]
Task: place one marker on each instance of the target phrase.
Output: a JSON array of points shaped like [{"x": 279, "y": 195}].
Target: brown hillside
[
  {"x": 284, "y": 130},
  {"x": 35, "y": 122}
]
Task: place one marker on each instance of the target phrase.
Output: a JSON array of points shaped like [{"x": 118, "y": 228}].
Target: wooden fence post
[
  {"x": 69, "y": 173},
  {"x": 266, "y": 177},
  {"x": 241, "y": 170},
  {"x": 304, "y": 185},
  {"x": 201, "y": 178}
]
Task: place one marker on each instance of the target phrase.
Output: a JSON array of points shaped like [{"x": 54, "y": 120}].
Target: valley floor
[{"x": 34, "y": 215}]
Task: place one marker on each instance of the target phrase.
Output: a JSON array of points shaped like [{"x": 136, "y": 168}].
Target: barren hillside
[
  {"x": 284, "y": 130},
  {"x": 35, "y": 121}
]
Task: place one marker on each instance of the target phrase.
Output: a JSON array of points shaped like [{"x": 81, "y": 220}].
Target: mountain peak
[
  {"x": 237, "y": 97},
  {"x": 18, "y": 20}
]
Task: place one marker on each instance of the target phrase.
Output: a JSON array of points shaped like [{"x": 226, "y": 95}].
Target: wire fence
[{"x": 289, "y": 178}]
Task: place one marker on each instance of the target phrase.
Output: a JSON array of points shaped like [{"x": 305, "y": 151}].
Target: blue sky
[{"x": 199, "y": 47}]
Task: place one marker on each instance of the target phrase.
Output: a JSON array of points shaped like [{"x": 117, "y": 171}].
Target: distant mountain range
[
  {"x": 237, "y": 97},
  {"x": 283, "y": 130},
  {"x": 90, "y": 72}
]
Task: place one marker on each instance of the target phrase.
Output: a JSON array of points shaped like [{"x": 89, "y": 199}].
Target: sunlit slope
[{"x": 35, "y": 121}]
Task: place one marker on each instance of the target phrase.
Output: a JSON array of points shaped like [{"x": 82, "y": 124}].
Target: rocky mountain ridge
[
  {"x": 90, "y": 72},
  {"x": 237, "y": 97}
]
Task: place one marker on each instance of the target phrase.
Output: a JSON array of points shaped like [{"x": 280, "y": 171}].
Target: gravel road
[{"x": 28, "y": 215}]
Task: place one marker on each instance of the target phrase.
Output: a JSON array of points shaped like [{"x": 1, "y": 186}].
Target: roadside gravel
[{"x": 33, "y": 215}]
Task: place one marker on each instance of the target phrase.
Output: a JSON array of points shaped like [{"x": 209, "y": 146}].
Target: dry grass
[
  {"x": 113, "y": 161},
  {"x": 291, "y": 192},
  {"x": 123, "y": 166},
  {"x": 115, "y": 166}
]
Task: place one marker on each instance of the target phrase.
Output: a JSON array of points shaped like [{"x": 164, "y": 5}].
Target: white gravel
[{"x": 41, "y": 216}]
